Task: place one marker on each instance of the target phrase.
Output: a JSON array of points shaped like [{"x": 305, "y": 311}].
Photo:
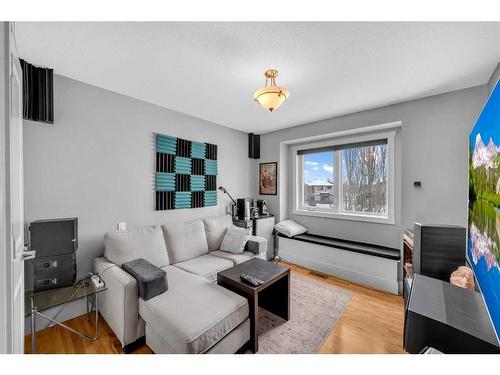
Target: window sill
[{"x": 346, "y": 216}]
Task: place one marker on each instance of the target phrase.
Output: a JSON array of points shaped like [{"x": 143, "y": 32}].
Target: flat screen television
[{"x": 483, "y": 242}]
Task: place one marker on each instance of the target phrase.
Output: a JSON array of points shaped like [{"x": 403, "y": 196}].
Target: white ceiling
[{"x": 211, "y": 70}]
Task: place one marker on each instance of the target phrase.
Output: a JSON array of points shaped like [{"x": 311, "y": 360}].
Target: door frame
[
  {"x": 8, "y": 333},
  {"x": 4, "y": 187},
  {"x": 16, "y": 206}
]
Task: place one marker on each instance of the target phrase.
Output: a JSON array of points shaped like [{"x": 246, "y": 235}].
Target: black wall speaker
[
  {"x": 38, "y": 93},
  {"x": 254, "y": 146},
  {"x": 244, "y": 207}
]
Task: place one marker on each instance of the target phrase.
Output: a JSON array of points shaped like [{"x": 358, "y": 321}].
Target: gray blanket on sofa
[{"x": 151, "y": 280}]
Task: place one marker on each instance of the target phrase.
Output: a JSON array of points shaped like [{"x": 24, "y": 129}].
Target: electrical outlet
[{"x": 122, "y": 226}]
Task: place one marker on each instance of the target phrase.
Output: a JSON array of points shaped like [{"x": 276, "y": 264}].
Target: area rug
[{"x": 315, "y": 307}]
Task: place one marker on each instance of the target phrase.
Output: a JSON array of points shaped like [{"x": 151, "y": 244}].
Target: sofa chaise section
[{"x": 192, "y": 316}]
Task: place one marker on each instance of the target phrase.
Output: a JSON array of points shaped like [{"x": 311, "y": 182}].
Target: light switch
[{"x": 122, "y": 226}]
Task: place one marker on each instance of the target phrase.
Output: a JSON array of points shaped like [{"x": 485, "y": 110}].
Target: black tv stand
[{"x": 448, "y": 318}]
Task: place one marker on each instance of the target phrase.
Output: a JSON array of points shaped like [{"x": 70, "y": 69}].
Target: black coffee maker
[
  {"x": 244, "y": 206},
  {"x": 262, "y": 207}
]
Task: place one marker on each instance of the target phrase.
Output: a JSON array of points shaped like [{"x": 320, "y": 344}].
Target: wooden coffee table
[{"x": 273, "y": 295}]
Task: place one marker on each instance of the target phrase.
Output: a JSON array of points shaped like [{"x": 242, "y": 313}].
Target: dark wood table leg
[
  {"x": 253, "y": 304},
  {"x": 276, "y": 298}
]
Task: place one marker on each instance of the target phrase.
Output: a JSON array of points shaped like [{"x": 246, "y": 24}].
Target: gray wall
[
  {"x": 493, "y": 79},
  {"x": 97, "y": 163},
  {"x": 431, "y": 147}
]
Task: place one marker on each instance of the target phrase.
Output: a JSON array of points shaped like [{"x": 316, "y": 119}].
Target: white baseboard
[{"x": 369, "y": 270}]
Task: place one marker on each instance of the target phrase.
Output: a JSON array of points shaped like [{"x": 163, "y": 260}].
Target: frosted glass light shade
[{"x": 271, "y": 97}]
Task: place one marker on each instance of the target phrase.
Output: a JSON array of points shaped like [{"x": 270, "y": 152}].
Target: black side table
[{"x": 273, "y": 295}]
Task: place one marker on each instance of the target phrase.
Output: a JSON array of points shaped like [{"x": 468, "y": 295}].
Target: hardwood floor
[
  {"x": 371, "y": 323},
  {"x": 57, "y": 340}
]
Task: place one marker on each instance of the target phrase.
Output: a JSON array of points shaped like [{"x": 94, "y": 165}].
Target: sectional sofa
[{"x": 194, "y": 315}]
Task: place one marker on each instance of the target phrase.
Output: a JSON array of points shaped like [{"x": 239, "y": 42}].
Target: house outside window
[{"x": 350, "y": 178}]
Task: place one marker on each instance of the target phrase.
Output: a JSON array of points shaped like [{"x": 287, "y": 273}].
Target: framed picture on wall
[{"x": 268, "y": 178}]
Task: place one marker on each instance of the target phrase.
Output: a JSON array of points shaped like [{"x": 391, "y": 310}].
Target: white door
[{"x": 16, "y": 199}]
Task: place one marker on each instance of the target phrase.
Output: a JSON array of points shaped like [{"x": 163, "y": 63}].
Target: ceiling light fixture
[{"x": 272, "y": 96}]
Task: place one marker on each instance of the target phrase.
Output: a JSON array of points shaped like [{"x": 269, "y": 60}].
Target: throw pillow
[
  {"x": 290, "y": 228},
  {"x": 235, "y": 240}
]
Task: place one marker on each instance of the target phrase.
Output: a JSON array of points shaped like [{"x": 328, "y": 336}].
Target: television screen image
[{"x": 483, "y": 245}]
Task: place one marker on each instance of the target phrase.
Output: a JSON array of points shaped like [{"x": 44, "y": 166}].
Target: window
[
  {"x": 318, "y": 180},
  {"x": 350, "y": 179},
  {"x": 364, "y": 179}
]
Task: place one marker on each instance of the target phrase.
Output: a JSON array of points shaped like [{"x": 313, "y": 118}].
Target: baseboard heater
[{"x": 361, "y": 263}]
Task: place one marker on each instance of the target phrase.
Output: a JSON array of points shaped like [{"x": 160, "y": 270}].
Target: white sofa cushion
[
  {"x": 193, "y": 314},
  {"x": 235, "y": 258},
  {"x": 205, "y": 266},
  {"x": 140, "y": 242},
  {"x": 290, "y": 228},
  {"x": 185, "y": 240},
  {"x": 215, "y": 228},
  {"x": 235, "y": 239}
]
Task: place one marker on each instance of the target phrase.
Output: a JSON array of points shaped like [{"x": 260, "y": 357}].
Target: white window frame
[{"x": 298, "y": 178}]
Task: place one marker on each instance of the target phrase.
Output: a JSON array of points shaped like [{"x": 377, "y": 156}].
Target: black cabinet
[
  {"x": 438, "y": 250},
  {"x": 448, "y": 318}
]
